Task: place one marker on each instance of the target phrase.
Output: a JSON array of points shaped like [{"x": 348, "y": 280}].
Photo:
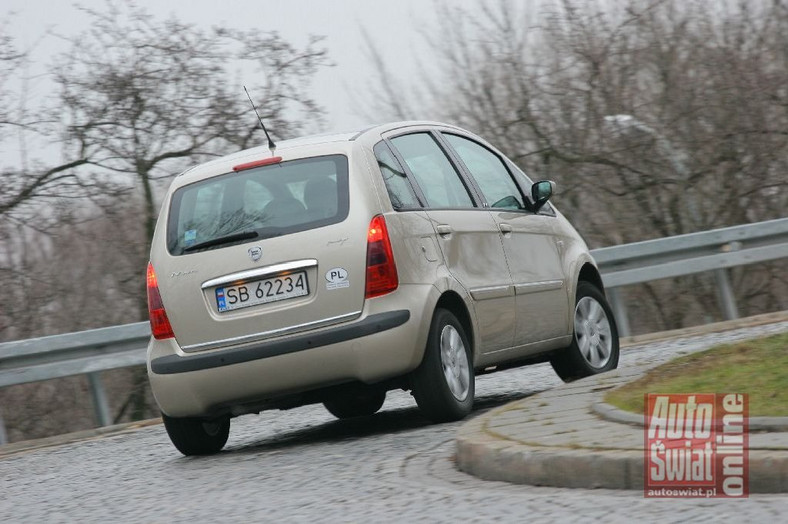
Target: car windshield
[{"x": 259, "y": 203}]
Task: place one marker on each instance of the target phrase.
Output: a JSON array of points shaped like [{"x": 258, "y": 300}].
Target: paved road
[{"x": 304, "y": 466}]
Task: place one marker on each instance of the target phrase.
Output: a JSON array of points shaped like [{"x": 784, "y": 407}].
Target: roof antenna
[{"x": 271, "y": 144}]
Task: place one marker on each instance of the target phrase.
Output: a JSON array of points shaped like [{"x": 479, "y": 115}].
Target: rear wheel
[
  {"x": 594, "y": 347},
  {"x": 356, "y": 404},
  {"x": 197, "y": 436},
  {"x": 443, "y": 384}
]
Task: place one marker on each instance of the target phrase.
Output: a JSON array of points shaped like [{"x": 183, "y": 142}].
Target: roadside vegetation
[{"x": 757, "y": 367}]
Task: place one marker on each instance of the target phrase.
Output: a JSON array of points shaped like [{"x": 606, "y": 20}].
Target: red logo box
[{"x": 696, "y": 445}]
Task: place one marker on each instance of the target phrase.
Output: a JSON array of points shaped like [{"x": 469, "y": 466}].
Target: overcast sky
[{"x": 393, "y": 24}]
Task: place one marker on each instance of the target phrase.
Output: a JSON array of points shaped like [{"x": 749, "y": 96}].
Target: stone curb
[
  {"x": 716, "y": 327},
  {"x": 482, "y": 452},
  {"x": 491, "y": 458},
  {"x": 76, "y": 436},
  {"x": 613, "y": 414}
]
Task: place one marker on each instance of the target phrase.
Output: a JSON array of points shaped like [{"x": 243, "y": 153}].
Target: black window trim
[
  {"x": 487, "y": 205},
  {"x": 461, "y": 165},
  {"x": 507, "y": 164},
  {"x": 408, "y": 176},
  {"x": 469, "y": 184},
  {"x": 465, "y": 176}
]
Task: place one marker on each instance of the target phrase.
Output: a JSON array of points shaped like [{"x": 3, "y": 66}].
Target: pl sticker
[{"x": 336, "y": 278}]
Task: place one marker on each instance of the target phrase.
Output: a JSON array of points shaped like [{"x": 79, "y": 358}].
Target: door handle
[
  {"x": 505, "y": 228},
  {"x": 443, "y": 229}
]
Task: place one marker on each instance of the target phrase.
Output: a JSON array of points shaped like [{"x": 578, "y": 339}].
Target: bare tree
[
  {"x": 27, "y": 177},
  {"x": 10, "y": 62},
  {"x": 144, "y": 98},
  {"x": 656, "y": 117},
  {"x": 139, "y": 100}
]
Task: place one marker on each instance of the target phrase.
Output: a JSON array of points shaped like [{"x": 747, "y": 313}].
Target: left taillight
[{"x": 159, "y": 323}]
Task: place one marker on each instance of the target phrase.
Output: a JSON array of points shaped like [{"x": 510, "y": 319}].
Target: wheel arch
[
  {"x": 582, "y": 269},
  {"x": 453, "y": 302},
  {"x": 589, "y": 273}
]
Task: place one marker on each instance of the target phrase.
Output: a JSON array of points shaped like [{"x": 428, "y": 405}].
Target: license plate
[{"x": 263, "y": 291}]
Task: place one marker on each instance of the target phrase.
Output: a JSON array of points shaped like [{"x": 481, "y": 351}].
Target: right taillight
[
  {"x": 159, "y": 323},
  {"x": 381, "y": 269}
]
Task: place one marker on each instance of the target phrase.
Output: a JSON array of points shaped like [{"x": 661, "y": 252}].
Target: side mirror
[{"x": 541, "y": 192}]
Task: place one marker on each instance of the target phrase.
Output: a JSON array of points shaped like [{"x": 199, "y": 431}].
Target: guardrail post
[
  {"x": 727, "y": 298},
  {"x": 100, "y": 405},
  {"x": 3, "y": 436},
  {"x": 619, "y": 310}
]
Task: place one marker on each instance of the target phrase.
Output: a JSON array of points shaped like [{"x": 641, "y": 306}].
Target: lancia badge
[{"x": 255, "y": 253}]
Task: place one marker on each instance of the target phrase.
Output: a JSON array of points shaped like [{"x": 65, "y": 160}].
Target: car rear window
[{"x": 268, "y": 201}]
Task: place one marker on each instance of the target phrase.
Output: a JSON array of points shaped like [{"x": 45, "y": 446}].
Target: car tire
[
  {"x": 594, "y": 347},
  {"x": 444, "y": 383},
  {"x": 197, "y": 436},
  {"x": 357, "y": 404}
]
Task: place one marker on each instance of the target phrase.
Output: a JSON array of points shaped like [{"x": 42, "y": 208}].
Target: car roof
[
  {"x": 223, "y": 164},
  {"x": 346, "y": 136}
]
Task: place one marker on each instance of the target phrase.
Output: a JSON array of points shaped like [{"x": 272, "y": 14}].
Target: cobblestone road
[{"x": 304, "y": 466}]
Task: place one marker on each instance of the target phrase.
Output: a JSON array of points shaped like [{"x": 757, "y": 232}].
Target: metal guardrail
[
  {"x": 82, "y": 353},
  {"x": 91, "y": 352},
  {"x": 715, "y": 250}
]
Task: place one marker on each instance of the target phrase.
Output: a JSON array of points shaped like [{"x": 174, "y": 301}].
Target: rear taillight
[
  {"x": 159, "y": 323},
  {"x": 381, "y": 269}
]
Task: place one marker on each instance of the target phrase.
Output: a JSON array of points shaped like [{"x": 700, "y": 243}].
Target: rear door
[
  {"x": 529, "y": 240},
  {"x": 263, "y": 252},
  {"x": 466, "y": 234}
]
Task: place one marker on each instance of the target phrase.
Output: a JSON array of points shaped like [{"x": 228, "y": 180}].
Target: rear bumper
[
  {"x": 386, "y": 341},
  {"x": 172, "y": 364}
]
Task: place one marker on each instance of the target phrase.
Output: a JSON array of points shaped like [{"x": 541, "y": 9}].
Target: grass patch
[{"x": 758, "y": 367}]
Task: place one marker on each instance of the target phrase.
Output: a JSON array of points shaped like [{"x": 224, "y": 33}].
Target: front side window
[
  {"x": 259, "y": 203},
  {"x": 492, "y": 177},
  {"x": 437, "y": 178}
]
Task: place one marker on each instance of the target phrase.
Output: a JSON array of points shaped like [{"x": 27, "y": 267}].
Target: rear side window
[
  {"x": 259, "y": 203},
  {"x": 400, "y": 191},
  {"x": 434, "y": 174}
]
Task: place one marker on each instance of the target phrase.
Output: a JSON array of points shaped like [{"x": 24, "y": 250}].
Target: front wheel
[
  {"x": 594, "y": 347},
  {"x": 197, "y": 436},
  {"x": 444, "y": 383}
]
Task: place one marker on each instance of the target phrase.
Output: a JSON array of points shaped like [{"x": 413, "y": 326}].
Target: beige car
[{"x": 411, "y": 255}]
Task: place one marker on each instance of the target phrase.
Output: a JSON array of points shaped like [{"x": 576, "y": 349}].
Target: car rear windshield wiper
[{"x": 243, "y": 235}]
